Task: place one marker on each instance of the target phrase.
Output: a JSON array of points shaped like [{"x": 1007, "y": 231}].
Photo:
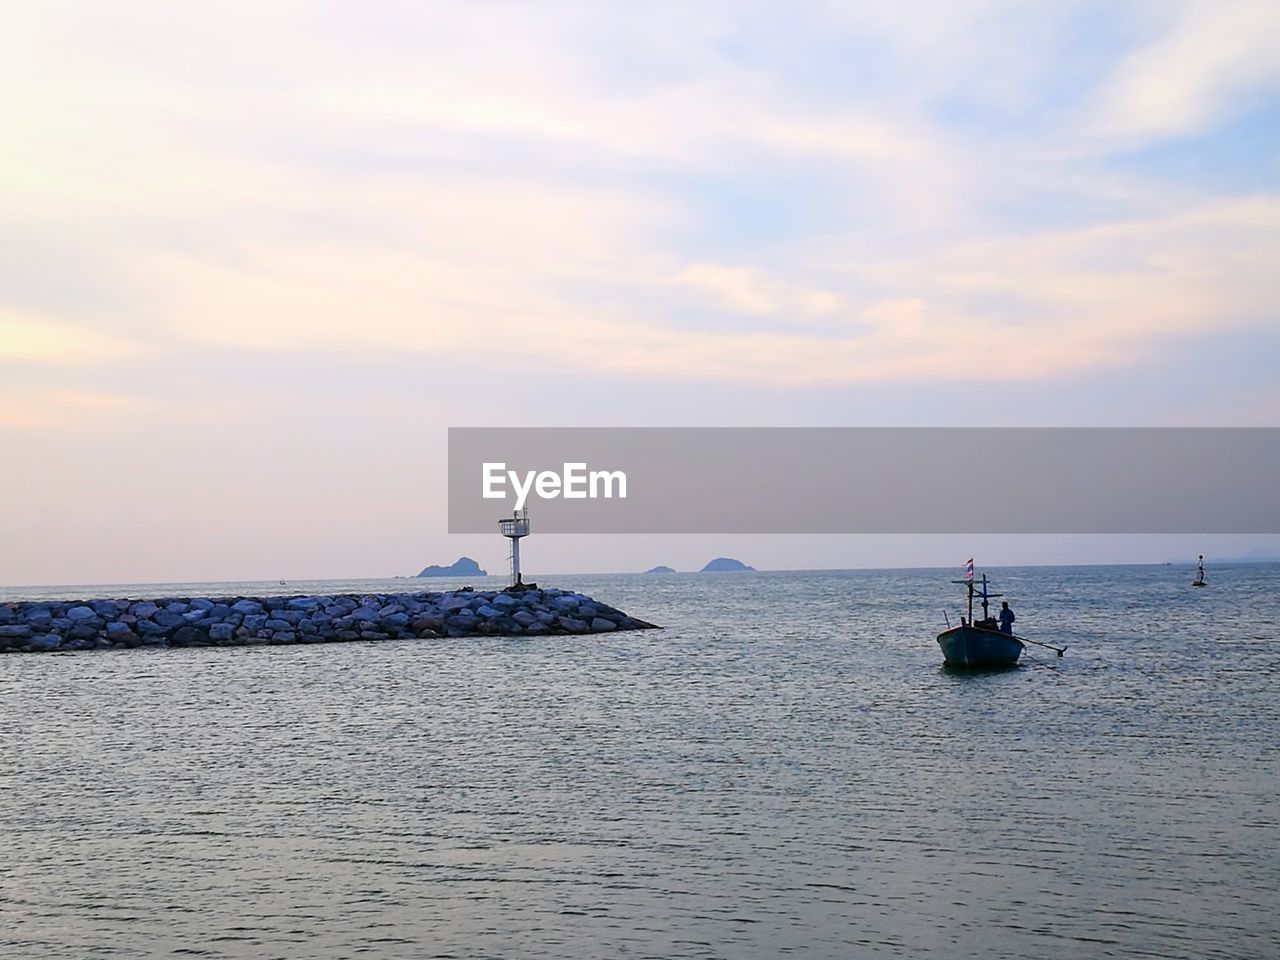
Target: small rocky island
[
  {"x": 660, "y": 569},
  {"x": 31, "y": 626},
  {"x": 725, "y": 565},
  {"x": 462, "y": 567}
]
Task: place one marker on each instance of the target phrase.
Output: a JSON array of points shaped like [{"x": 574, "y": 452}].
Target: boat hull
[{"x": 970, "y": 646}]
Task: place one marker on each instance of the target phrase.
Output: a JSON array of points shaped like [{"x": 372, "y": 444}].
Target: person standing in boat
[
  {"x": 1006, "y": 618},
  {"x": 1200, "y": 569}
]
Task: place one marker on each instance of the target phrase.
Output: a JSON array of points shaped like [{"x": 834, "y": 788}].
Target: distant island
[
  {"x": 462, "y": 567},
  {"x": 659, "y": 569},
  {"x": 725, "y": 565}
]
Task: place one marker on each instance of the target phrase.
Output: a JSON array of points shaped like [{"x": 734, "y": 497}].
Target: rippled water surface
[{"x": 785, "y": 769}]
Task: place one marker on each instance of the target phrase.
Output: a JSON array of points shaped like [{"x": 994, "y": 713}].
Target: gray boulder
[
  {"x": 119, "y": 631},
  {"x": 39, "y": 616}
]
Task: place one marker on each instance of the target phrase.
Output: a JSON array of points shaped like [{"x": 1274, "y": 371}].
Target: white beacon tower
[{"x": 513, "y": 528}]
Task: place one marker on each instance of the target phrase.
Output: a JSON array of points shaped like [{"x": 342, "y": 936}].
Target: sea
[{"x": 785, "y": 769}]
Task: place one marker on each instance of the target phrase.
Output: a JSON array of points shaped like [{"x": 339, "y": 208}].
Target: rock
[
  {"x": 660, "y": 569},
  {"x": 186, "y": 636},
  {"x": 725, "y": 565},
  {"x": 221, "y": 632},
  {"x": 39, "y": 616},
  {"x": 182, "y": 622},
  {"x": 462, "y": 567}
]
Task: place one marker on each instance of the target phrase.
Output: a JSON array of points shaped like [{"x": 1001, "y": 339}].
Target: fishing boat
[{"x": 979, "y": 643}]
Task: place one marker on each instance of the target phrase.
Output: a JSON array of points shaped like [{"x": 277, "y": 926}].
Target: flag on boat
[{"x": 968, "y": 569}]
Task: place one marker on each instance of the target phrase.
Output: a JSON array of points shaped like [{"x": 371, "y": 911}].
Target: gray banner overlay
[{"x": 872, "y": 480}]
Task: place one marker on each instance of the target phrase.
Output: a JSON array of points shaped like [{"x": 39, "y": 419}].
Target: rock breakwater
[{"x": 31, "y": 626}]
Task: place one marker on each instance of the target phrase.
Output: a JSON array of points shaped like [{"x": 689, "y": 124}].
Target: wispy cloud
[
  {"x": 1204, "y": 61},
  {"x": 24, "y": 409},
  {"x": 427, "y": 177},
  {"x": 28, "y": 340}
]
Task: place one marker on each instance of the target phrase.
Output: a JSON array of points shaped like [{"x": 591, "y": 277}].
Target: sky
[{"x": 255, "y": 259}]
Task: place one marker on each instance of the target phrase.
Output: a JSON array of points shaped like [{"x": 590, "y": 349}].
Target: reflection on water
[{"x": 785, "y": 769}]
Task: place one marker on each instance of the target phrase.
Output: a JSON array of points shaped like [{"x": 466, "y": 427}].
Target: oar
[{"x": 1058, "y": 650}]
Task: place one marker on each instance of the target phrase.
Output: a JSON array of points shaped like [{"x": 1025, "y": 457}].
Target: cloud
[
  {"x": 46, "y": 409},
  {"x": 446, "y": 179},
  {"x": 1208, "y": 61},
  {"x": 28, "y": 340},
  {"x": 748, "y": 291}
]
